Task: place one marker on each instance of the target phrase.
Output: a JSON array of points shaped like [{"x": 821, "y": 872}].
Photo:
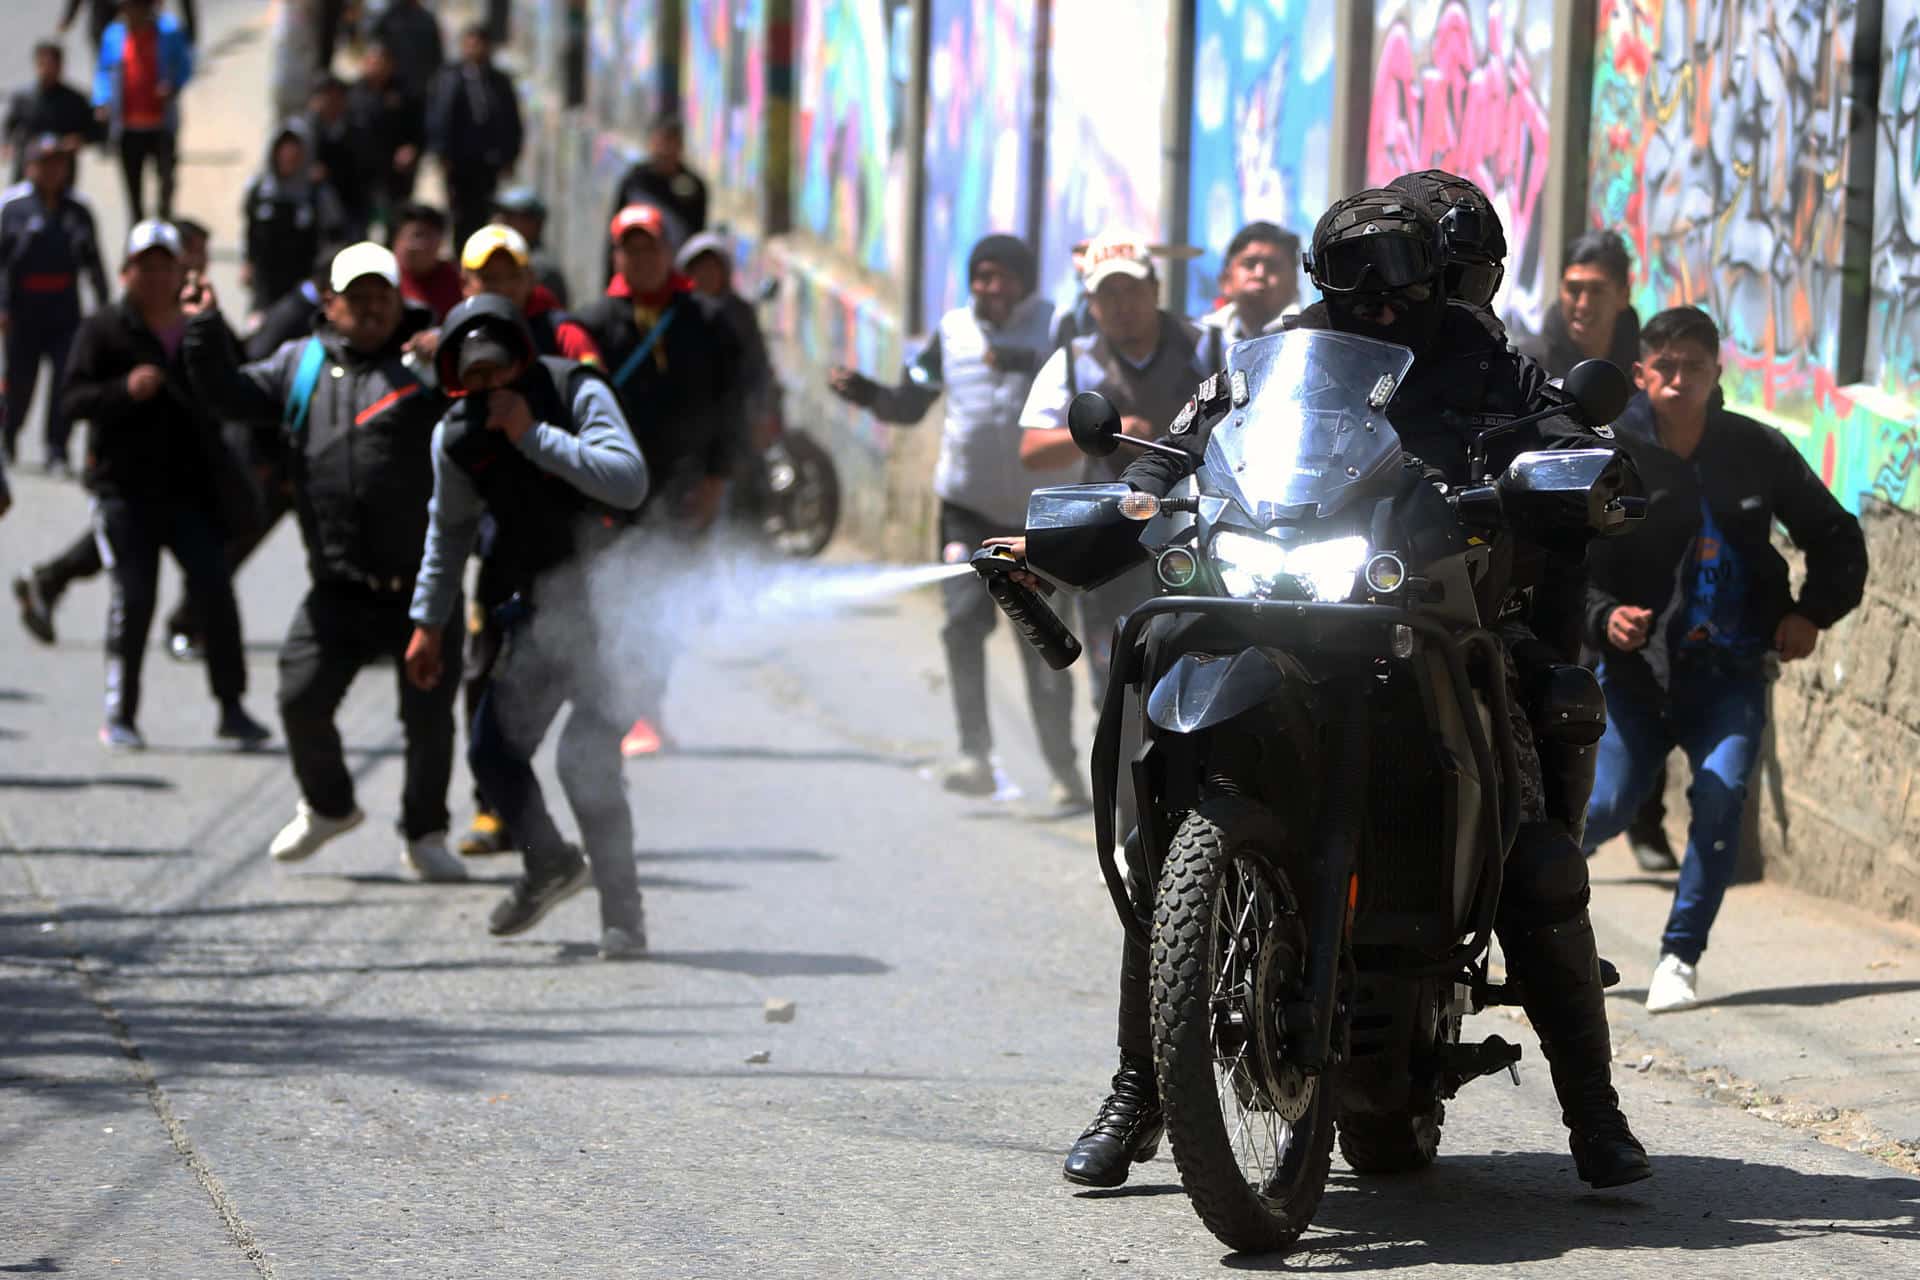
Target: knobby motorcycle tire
[
  {"x": 1394, "y": 1142},
  {"x": 1206, "y": 845}
]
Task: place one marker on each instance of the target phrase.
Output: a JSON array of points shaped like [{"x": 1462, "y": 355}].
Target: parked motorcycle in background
[{"x": 1326, "y": 789}]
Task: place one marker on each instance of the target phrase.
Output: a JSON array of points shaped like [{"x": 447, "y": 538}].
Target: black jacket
[
  {"x": 102, "y": 13},
  {"x": 473, "y": 138},
  {"x": 684, "y": 196},
  {"x": 1469, "y": 381},
  {"x": 1747, "y": 475},
  {"x": 38, "y": 251},
  {"x": 1554, "y": 349},
  {"x": 294, "y": 316},
  {"x": 361, "y": 465},
  {"x": 61, "y": 110},
  {"x": 411, "y": 33},
  {"x": 686, "y": 401},
  {"x": 384, "y": 120},
  {"x": 288, "y": 220},
  {"x": 163, "y": 450}
]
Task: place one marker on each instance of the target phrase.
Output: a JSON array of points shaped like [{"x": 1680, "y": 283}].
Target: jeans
[
  {"x": 1717, "y": 716},
  {"x": 336, "y": 632},
  {"x": 971, "y": 615},
  {"x": 137, "y": 146},
  {"x": 132, "y": 535},
  {"x": 42, "y": 329},
  {"x": 554, "y": 658}
]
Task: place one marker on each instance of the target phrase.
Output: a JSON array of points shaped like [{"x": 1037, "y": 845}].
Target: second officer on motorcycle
[{"x": 1380, "y": 260}]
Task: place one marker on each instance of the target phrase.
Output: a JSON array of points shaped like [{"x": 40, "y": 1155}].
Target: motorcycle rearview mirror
[
  {"x": 1599, "y": 390},
  {"x": 1095, "y": 424}
]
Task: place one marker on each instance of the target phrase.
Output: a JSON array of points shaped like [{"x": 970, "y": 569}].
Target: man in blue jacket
[
  {"x": 146, "y": 59},
  {"x": 1692, "y": 612}
]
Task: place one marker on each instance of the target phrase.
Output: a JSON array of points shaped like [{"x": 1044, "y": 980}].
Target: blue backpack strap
[
  {"x": 306, "y": 376},
  {"x": 631, "y": 365}
]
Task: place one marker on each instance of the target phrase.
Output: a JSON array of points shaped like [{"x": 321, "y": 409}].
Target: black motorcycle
[{"x": 1323, "y": 784}]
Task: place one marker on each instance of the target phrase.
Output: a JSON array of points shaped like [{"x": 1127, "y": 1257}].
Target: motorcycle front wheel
[{"x": 1251, "y": 1132}]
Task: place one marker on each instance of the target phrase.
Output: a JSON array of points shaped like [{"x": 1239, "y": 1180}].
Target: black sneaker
[
  {"x": 36, "y": 611},
  {"x": 237, "y": 727},
  {"x": 1652, "y": 851},
  {"x": 535, "y": 894}
]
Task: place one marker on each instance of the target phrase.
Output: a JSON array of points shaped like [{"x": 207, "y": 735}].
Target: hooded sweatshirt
[{"x": 288, "y": 220}]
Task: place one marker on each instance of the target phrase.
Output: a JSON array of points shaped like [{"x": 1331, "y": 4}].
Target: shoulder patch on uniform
[
  {"x": 1183, "y": 423},
  {"x": 1603, "y": 431}
]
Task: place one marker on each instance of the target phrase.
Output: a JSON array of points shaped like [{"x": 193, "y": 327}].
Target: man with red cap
[{"x": 675, "y": 363}]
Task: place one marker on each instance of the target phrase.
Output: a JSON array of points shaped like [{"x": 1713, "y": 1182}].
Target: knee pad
[
  {"x": 1565, "y": 705},
  {"x": 1545, "y": 880}
]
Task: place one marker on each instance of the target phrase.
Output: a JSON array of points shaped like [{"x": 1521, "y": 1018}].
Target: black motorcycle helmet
[
  {"x": 1378, "y": 252},
  {"x": 485, "y": 326},
  {"x": 1476, "y": 243}
]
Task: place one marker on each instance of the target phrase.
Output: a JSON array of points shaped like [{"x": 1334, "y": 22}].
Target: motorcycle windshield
[{"x": 1309, "y": 427}]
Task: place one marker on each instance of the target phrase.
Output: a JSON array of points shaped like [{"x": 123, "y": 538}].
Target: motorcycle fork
[{"x": 1330, "y": 913}]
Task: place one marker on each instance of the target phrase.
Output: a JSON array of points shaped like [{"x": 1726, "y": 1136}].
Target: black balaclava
[
  {"x": 496, "y": 318},
  {"x": 1377, "y": 211},
  {"x": 1010, "y": 252},
  {"x": 1476, "y": 245}
]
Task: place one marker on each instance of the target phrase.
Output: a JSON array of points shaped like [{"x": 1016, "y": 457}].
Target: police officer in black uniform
[{"x": 1380, "y": 260}]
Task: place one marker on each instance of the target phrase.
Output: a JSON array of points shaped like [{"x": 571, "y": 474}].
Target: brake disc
[{"x": 1280, "y": 977}]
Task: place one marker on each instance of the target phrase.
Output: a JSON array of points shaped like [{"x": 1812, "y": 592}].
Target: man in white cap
[
  {"x": 153, "y": 458},
  {"x": 1143, "y": 359},
  {"x": 363, "y": 515}
]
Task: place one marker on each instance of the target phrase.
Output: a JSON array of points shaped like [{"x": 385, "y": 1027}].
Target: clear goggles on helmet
[{"x": 1384, "y": 262}]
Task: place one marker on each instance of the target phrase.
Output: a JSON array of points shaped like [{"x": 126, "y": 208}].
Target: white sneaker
[
  {"x": 1673, "y": 986},
  {"x": 303, "y": 837},
  {"x": 431, "y": 860}
]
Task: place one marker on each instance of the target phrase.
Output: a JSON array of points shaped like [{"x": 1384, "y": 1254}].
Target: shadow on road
[
  {"x": 1810, "y": 996},
  {"x": 1516, "y": 1208},
  {"x": 82, "y": 782},
  {"x": 733, "y": 855},
  {"x": 75, "y": 851},
  {"x": 788, "y": 755}
]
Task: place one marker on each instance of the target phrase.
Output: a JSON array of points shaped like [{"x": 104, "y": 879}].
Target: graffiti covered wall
[
  {"x": 1893, "y": 337},
  {"x": 1262, "y": 121},
  {"x": 1103, "y": 126},
  {"x": 725, "y": 103},
  {"x": 979, "y": 114},
  {"x": 854, "y": 59},
  {"x": 1719, "y": 152},
  {"x": 1466, "y": 85}
]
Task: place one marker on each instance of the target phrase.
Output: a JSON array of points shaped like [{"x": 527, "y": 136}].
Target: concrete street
[{"x": 213, "y": 1066}]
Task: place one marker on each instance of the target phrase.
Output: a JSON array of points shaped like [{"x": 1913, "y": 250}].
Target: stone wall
[{"x": 1837, "y": 811}]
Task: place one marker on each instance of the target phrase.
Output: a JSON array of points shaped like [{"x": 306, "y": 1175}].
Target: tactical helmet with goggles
[
  {"x": 1476, "y": 243},
  {"x": 1376, "y": 242}
]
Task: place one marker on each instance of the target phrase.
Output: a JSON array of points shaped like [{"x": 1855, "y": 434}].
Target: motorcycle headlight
[{"x": 1251, "y": 566}]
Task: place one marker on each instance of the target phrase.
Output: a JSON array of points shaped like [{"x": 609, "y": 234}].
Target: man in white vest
[{"x": 984, "y": 357}]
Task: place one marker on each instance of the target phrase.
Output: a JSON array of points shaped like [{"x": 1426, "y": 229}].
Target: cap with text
[{"x": 1116, "y": 254}]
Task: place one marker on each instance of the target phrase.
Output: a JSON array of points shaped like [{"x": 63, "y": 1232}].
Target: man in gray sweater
[{"x": 542, "y": 446}]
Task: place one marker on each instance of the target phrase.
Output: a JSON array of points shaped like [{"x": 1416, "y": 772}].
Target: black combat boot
[
  {"x": 1562, "y": 994},
  {"x": 1126, "y": 1130}
]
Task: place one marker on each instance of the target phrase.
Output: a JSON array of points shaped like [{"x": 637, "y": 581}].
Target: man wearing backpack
[{"x": 363, "y": 516}]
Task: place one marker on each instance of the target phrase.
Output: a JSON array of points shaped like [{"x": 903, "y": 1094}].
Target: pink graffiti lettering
[{"x": 1468, "y": 110}]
